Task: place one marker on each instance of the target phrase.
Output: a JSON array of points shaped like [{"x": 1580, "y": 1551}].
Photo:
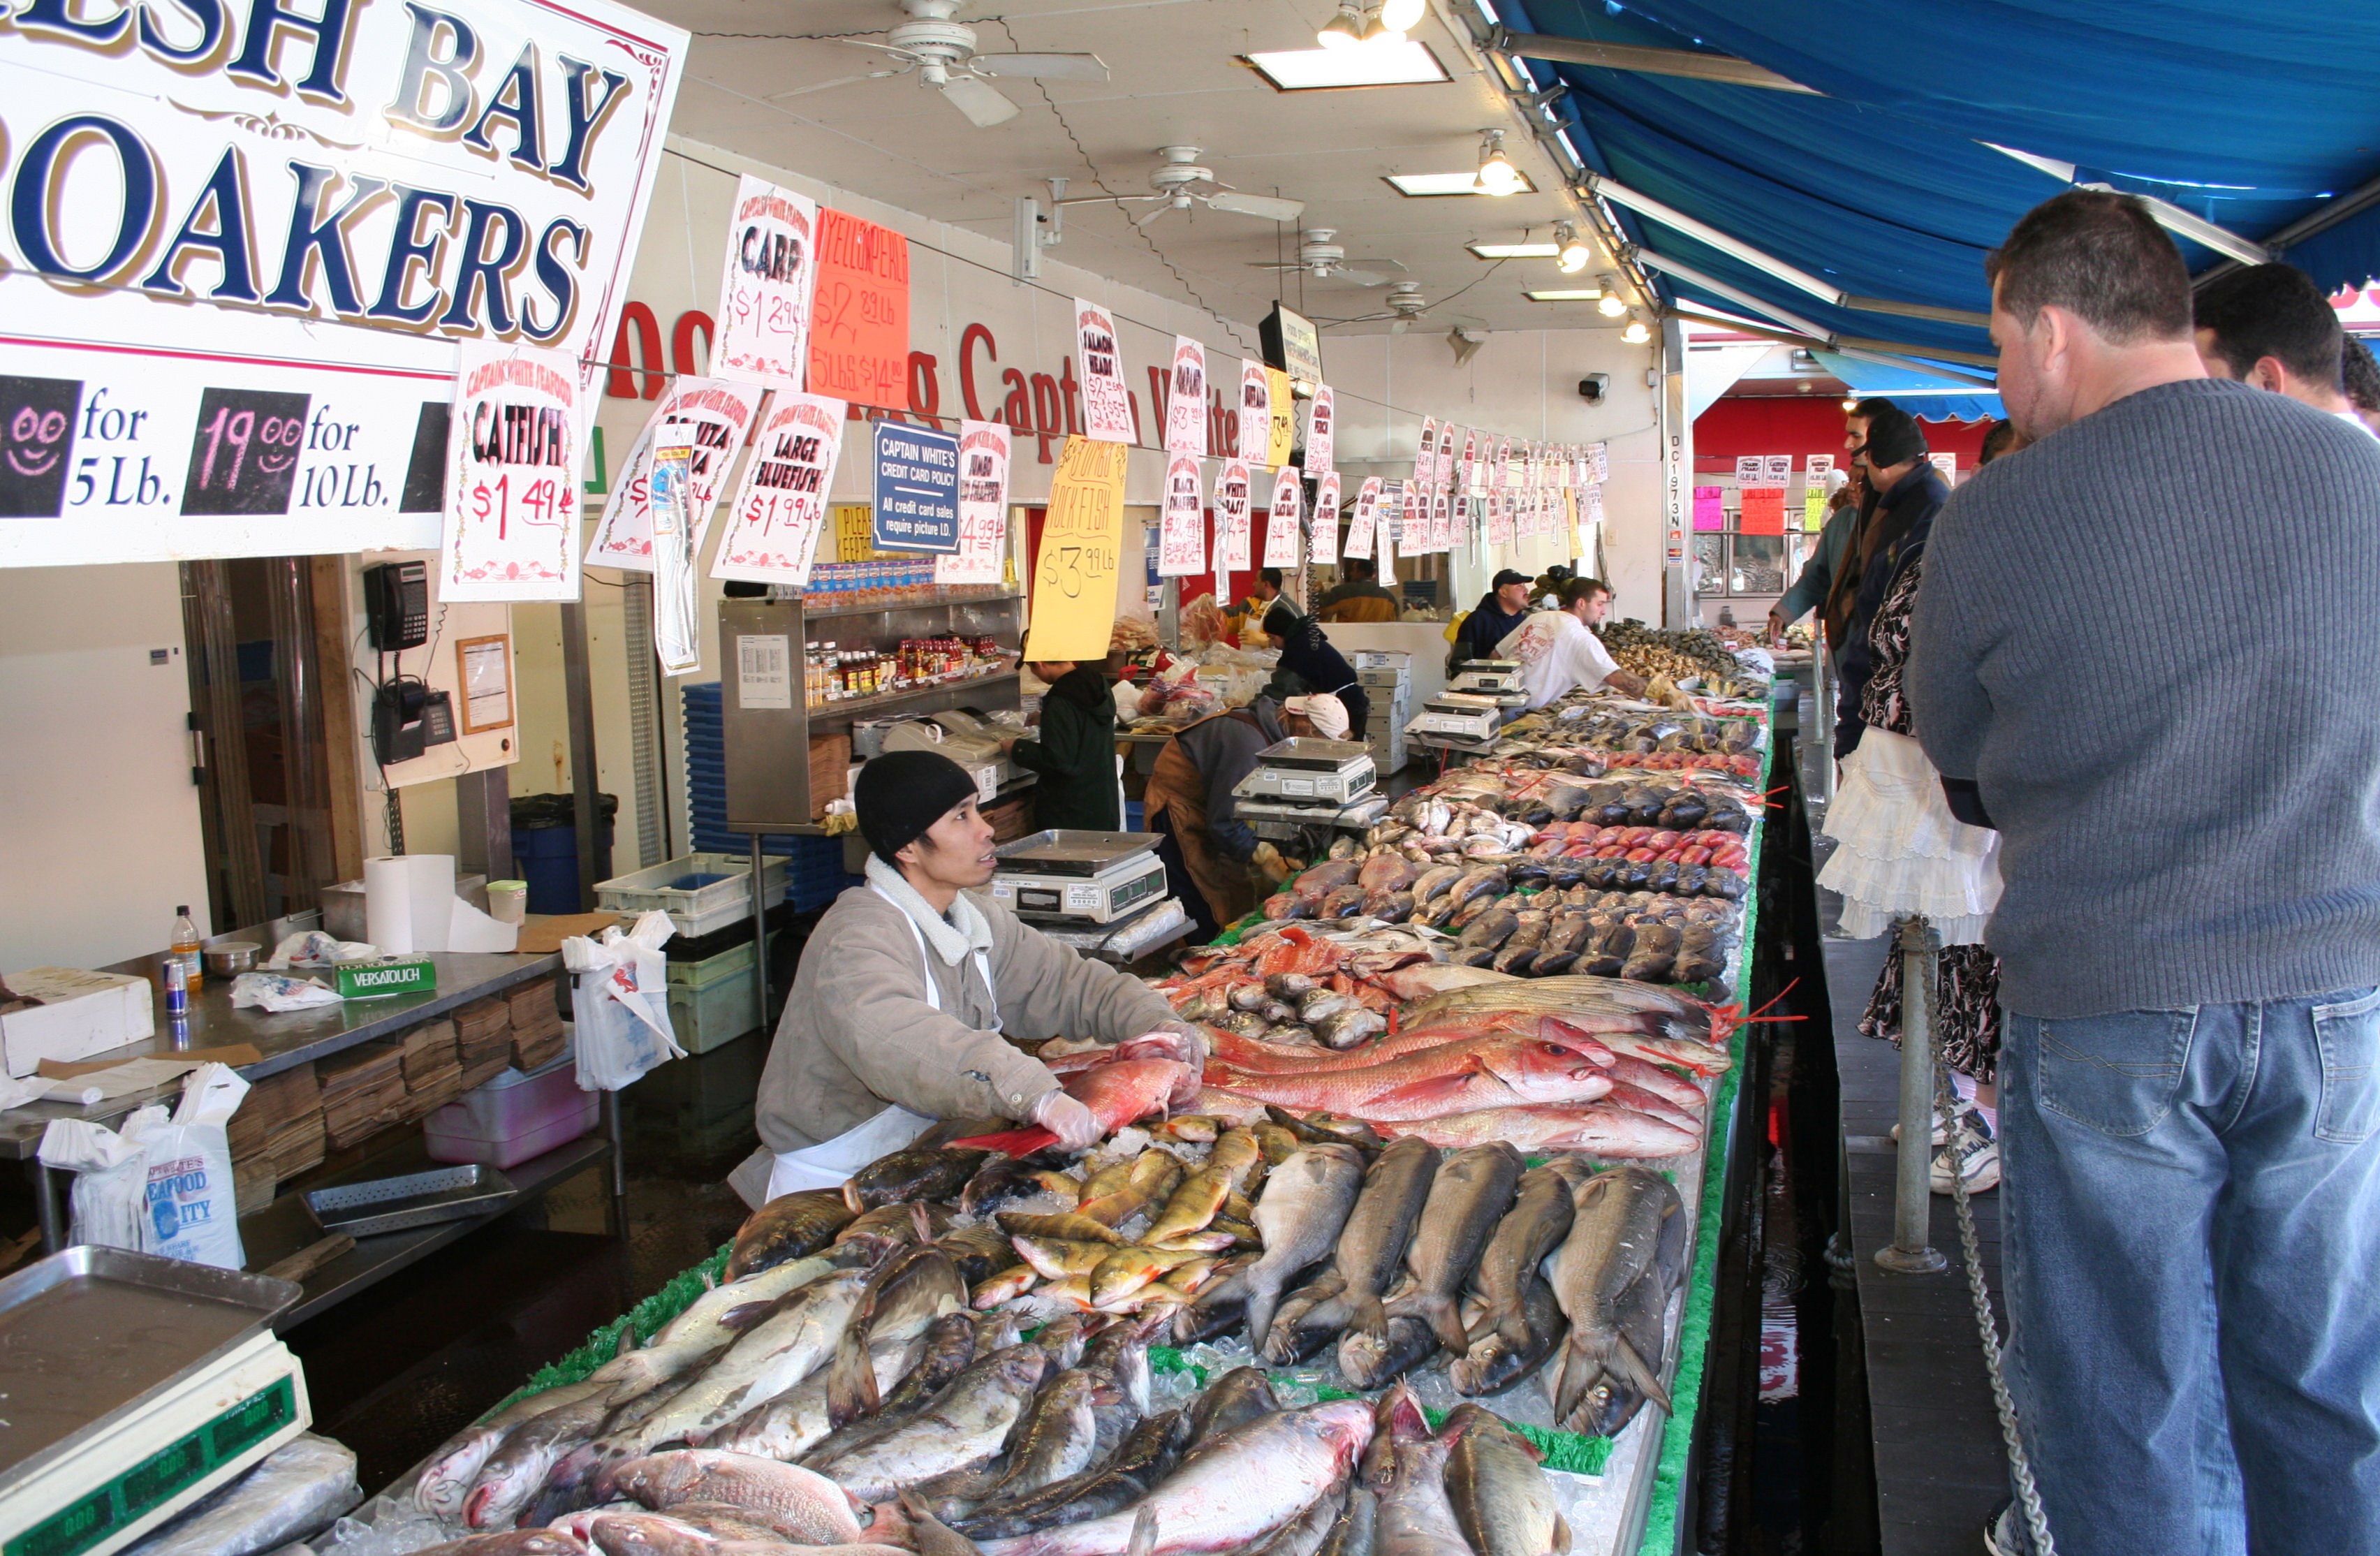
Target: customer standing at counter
[
  {"x": 2270, "y": 326},
  {"x": 1501, "y": 609},
  {"x": 1073, "y": 757},
  {"x": 1357, "y": 596},
  {"x": 1910, "y": 491},
  {"x": 911, "y": 986},
  {"x": 2189, "y": 933}
]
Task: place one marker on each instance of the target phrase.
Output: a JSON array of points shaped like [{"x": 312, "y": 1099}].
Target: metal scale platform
[
  {"x": 1304, "y": 782},
  {"x": 134, "y": 1385},
  {"x": 1079, "y": 878},
  {"x": 1497, "y": 679},
  {"x": 1458, "y": 721}
]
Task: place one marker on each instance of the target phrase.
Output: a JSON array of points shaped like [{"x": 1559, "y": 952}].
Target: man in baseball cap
[{"x": 911, "y": 985}]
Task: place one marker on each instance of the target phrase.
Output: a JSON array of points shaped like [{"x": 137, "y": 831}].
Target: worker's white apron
[{"x": 830, "y": 1163}]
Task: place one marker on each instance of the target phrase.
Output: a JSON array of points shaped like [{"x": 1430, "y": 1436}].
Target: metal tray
[
  {"x": 399, "y": 1204},
  {"x": 1066, "y": 851},
  {"x": 1305, "y": 751},
  {"x": 87, "y": 1331}
]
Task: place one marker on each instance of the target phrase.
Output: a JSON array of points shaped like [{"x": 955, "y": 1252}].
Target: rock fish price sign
[{"x": 244, "y": 241}]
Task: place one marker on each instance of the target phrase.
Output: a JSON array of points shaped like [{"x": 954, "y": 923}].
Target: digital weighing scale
[
  {"x": 971, "y": 742},
  {"x": 1457, "y": 716},
  {"x": 1079, "y": 877},
  {"x": 1497, "y": 679},
  {"x": 1307, "y": 771},
  {"x": 133, "y": 1386}
]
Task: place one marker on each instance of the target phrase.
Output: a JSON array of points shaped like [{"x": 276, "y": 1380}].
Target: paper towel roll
[{"x": 408, "y": 902}]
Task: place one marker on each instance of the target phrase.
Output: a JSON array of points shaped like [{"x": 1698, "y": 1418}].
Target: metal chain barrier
[{"x": 1955, "y": 1132}]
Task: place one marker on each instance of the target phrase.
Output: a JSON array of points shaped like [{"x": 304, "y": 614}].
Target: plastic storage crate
[
  {"x": 699, "y": 892},
  {"x": 514, "y": 1117},
  {"x": 713, "y": 1003}
]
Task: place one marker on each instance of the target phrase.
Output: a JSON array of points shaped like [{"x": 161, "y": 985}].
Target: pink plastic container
[{"x": 514, "y": 1117}]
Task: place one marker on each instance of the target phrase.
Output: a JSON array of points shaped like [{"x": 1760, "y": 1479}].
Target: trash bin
[{"x": 545, "y": 848}]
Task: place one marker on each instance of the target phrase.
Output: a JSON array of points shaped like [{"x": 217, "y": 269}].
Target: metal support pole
[
  {"x": 1913, "y": 1204},
  {"x": 1822, "y": 672},
  {"x": 619, "y": 1163},
  {"x": 46, "y": 1204},
  {"x": 579, "y": 695},
  {"x": 483, "y": 824},
  {"x": 759, "y": 937}
]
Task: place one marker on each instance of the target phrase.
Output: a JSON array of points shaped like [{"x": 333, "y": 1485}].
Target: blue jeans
[{"x": 2191, "y": 1208}]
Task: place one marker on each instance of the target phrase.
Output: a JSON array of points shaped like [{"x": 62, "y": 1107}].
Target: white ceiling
[{"x": 1175, "y": 79}]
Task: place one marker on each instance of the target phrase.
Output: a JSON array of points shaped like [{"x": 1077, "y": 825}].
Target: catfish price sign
[{"x": 257, "y": 216}]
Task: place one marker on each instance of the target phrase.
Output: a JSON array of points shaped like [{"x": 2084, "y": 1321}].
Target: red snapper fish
[
  {"x": 1117, "y": 1094},
  {"x": 1231, "y": 1052},
  {"x": 1604, "y": 1131},
  {"x": 1492, "y": 1071}
]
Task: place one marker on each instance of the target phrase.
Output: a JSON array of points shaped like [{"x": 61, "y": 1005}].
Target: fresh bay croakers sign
[{"x": 242, "y": 237}]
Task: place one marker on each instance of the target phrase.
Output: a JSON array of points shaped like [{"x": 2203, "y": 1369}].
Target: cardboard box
[
  {"x": 1381, "y": 658},
  {"x": 1399, "y": 679},
  {"x": 77, "y": 1014}
]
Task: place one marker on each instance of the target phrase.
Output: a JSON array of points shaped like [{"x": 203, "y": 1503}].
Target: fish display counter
[{"x": 1424, "y": 1251}]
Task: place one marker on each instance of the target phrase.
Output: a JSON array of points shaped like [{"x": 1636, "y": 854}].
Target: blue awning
[
  {"x": 1888, "y": 186},
  {"x": 1922, "y": 395}
]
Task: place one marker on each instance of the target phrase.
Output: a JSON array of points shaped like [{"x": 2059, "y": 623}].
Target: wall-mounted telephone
[{"x": 396, "y": 605}]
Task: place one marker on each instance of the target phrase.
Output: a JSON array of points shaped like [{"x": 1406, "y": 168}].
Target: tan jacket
[{"x": 859, "y": 1033}]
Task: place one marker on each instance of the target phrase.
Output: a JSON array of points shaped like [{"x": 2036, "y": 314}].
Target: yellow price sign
[
  {"x": 852, "y": 529},
  {"x": 1284, "y": 420},
  {"x": 1077, "y": 566}
]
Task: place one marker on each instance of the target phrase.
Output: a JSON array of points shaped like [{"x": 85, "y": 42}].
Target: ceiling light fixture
[
  {"x": 1497, "y": 176},
  {"x": 1850, "y": 405},
  {"x": 1613, "y": 305},
  {"x": 1515, "y": 250},
  {"x": 1344, "y": 30},
  {"x": 1467, "y": 182},
  {"x": 1377, "y": 64},
  {"x": 1401, "y": 16},
  {"x": 1635, "y": 334},
  {"x": 1575, "y": 254},
  {"x": 1569, "y": 294}
]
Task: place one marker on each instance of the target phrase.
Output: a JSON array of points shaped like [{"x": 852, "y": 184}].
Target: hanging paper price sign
[
  {"x": 1234, "y": 547},
  {"x": 1321, "y": 429},
  {"x": 511, "y": 523},
  {"x": 1322, "y": 544},
  {"x": 1255, "y": 412},
  {"x": 983, "y": 507},
  {"x": 709, "y": 416},
  {"x": 1186, "y": 400},
  {"x": 765, "y": 283},
  {"x": 773, "y": 525},
  {"x": 1107, "y": 404},
  {"x": 1182, "y": 523},
  {"x": 1281, "y": 520},
  {"x": 1367, "y": 518}
]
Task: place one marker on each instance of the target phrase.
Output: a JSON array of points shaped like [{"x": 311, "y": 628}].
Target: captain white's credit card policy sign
[
  {"x": 511, "y": 531},
  {"x": 289, "y": 227}
]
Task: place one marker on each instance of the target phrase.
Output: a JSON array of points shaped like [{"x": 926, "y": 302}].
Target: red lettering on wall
[
  {"x": 622, "y": 384},
  {"x": 682, "y": 342},
  {"x": 967, "y": 339},
  {"x": 925, "y": 388}
]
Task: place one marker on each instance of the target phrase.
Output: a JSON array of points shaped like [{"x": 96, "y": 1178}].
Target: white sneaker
[
  {"x": 1941, "y": 1133},
  {"x": 1975, "y": 1158}
]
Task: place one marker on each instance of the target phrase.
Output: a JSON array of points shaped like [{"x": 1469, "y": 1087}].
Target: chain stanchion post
[
  {"x": 1913, "y": 1207},
  {"x": 1822, "y": 677}
]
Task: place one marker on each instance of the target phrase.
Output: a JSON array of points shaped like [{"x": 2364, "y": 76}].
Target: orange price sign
[{"x": 859, "y": 313}]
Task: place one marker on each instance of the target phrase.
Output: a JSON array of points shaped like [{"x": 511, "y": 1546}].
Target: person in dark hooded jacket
[{"x": 1075, "y": 757}]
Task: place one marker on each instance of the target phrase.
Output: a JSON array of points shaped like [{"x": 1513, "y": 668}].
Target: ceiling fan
[
  {"x": 942, "y": 53},
  {"x": 1176, "y": 180},
  {"x": 1406, "y": 305},
  {"x": 1322, "y": 258}
]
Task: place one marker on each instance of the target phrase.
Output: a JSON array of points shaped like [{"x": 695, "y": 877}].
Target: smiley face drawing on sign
[{"x": 37, "y": 418}]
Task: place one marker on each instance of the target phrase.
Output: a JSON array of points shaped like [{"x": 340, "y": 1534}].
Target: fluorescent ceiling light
[
  {"x": 1514, "y": 250},
  {"x": 1373, "y": 64},
  {"x": 1566, "y": 293},
  {"x": 1464, "y": 183}
]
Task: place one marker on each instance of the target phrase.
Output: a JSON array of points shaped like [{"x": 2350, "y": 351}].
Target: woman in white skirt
[{"x": 1901, "y": 851}]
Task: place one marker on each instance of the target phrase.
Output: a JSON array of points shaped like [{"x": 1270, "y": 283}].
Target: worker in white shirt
[{"x": 1558, "y": 652}]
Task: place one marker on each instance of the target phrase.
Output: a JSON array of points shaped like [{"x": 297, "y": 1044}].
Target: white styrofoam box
[
  {"x": 1400, "y": 678},
  {"x": 81, "y": 1013},
  {"x": 1381, "y": 658}
]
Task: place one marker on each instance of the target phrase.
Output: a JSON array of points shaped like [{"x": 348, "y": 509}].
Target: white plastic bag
[
  {"x": 620, "y": 1002},
  {"x": 193, "y": 1211},
  {"x": 111, "y": 1172}
]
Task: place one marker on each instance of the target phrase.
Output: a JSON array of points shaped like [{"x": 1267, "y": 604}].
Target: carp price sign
[{"x": 243, "y": 239}]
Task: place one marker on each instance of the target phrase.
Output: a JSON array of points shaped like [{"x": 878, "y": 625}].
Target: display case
[{"x": 775, "y": 719}]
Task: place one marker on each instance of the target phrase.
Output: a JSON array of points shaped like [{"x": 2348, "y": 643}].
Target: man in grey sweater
[{"x": 2184, "y": 766}]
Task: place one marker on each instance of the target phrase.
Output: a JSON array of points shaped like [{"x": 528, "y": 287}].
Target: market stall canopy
[
  {"x": 1872, "y": 146},
  {"x": 1925, "y": 394}
]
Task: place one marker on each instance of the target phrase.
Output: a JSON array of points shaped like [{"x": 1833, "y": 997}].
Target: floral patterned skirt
[{"x": 1966, "y": 1008}]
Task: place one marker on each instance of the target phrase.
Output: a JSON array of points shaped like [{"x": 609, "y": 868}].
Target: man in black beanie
[
  {"x": 1909, "y": 493},
  {"x": 911, "y": 987}
]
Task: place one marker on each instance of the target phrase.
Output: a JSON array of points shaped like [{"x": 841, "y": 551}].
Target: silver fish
[
  {"x": 447, "y": 1479},
  {"x": 1467, "y": 1201},
  {"x": 1304, "y": 1535},
  {"x": 1228, "y": 1492},
  {"x": 517, "y": 1469},
  {"x": 1496, "y": 1359},
  {"x": 1415, "y": 1518},
  {"x": 1620, "y": 1222},
  {"x": 907, "y": 1293},
  {"x": 798, "y": 1504},
  {"x": 1501, "y": 1500},
  {"x": 964, "y": 1428},
  {"x": 1305, "y": 1204},
  {"x": 769, "y": 1359},
  {"x": 1372, "y": 1245}
]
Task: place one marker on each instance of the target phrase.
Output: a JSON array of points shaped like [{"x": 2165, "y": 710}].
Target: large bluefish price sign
[
  {"x": 916, "y": 488},
  {"x": 243, "y": 239}
]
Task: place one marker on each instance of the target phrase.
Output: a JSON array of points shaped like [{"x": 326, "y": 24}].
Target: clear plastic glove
[{"x": 1067, "y": 1119}]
